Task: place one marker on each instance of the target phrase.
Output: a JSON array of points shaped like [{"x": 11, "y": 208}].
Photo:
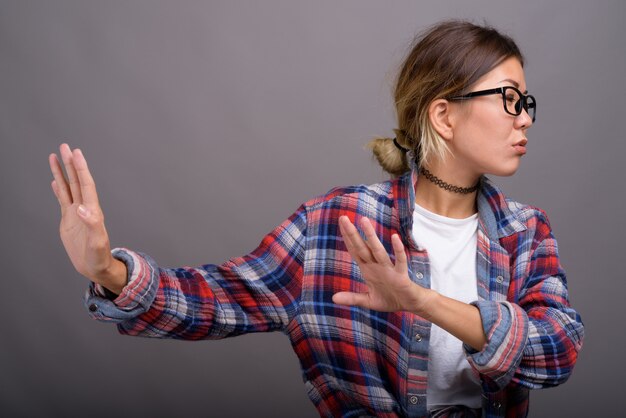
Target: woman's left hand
[{"x": 389, "y": 288}]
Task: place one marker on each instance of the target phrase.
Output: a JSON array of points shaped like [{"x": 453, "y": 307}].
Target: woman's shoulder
[
  {"x": 527, "y": 212},
  {"x": 510, "y": 212},
  {"x": 374, "y": 195}
]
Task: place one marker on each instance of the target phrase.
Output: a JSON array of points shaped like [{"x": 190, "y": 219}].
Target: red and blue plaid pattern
[{"x": 357, "y": 362}]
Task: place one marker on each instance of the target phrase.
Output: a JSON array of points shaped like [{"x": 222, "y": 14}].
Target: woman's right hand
[{"x": 82, "y": 223}]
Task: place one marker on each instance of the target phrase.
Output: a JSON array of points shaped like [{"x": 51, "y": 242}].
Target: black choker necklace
[{"x": 446, "y": 186}]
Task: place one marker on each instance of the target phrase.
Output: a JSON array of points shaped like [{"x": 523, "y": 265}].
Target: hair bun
[{"x": 390, "y": 155}]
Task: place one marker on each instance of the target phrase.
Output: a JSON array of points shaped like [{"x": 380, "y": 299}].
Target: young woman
[{"x": 450, "y": 302}]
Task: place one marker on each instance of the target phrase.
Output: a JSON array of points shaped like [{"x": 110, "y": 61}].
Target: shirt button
[
  {"x": 419, "y": 275},
  {"x": 418, "y": 337},
  {"x": 413, "y": 400},
  {"x": 499, "y": 279},
  {"x": 93, "y": 307}
]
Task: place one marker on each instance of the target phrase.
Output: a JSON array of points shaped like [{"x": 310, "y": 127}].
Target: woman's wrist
[
  {"x": 115, "y": 277},
  {"x": 427, "y": 301}
]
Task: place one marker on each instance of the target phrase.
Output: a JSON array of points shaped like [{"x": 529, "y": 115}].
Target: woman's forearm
[{"x": 458, "y": 318}]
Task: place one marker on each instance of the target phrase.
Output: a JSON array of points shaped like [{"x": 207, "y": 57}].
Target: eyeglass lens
[{"x": 515, "y": 103}]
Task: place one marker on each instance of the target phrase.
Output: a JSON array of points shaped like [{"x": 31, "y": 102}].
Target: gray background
[{"x": 207, "y": 123}]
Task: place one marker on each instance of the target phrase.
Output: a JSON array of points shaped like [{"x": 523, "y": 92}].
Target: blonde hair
[{"x": 444, "y": 61}]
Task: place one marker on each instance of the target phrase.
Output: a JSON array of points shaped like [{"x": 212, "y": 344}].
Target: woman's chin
[{"x": 505, "y": 171}]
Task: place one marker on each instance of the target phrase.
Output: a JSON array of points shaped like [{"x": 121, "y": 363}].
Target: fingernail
[{"x": 83, "y": 211}]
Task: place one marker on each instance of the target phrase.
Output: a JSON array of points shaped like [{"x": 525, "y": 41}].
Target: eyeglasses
[{"x": 513, "y": 99}]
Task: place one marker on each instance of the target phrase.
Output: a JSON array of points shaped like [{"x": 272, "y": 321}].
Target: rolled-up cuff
[
  {"x": 506, "y": 326},
  {"x": 136, "y": 297}
]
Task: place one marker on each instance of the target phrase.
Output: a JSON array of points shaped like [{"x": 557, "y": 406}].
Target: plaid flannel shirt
[{"x": 358, "y": 362}]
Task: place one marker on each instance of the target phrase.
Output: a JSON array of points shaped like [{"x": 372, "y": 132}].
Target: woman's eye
[{"x": 510, "y": 99}]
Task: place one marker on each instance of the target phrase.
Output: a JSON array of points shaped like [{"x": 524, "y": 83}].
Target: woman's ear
[{"x": 441, "y": 119}]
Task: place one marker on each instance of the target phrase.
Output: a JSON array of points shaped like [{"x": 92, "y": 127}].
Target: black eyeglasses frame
[{"x": 502, "y": 91}]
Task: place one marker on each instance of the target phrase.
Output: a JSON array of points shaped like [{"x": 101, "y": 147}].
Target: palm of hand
[
  {"x": 82, "y": 225},
  {"x": 389, "y": 286},
  {"x": 87, "y": 251}
]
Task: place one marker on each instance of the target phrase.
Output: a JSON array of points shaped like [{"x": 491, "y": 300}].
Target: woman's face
[{"x": 486, "y": 139}]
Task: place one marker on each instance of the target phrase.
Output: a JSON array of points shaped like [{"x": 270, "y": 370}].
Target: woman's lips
[{"x": 520, "y": 147}]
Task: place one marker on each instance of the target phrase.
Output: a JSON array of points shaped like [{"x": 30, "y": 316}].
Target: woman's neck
[{"x": 445, "y": 202}]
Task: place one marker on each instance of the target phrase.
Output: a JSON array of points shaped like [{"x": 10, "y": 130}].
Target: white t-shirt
[{"x": 451, "y": 247}]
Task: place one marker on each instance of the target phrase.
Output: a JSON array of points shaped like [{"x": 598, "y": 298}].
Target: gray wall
[{"x": 207, "y": 123}]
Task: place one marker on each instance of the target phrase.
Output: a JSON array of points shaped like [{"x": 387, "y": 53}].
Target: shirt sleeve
[
  {"x": 534, "y": 341},
  {"x": 253, "y": 293}
]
